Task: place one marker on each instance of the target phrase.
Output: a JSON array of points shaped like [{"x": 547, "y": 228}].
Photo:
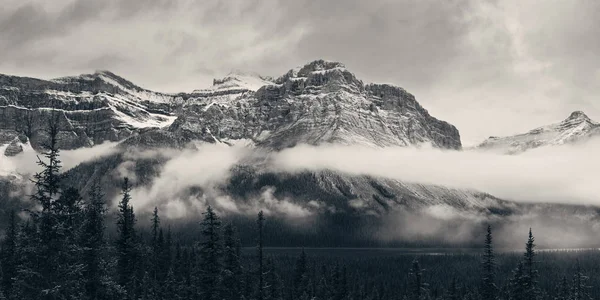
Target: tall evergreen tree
[
  {"x": 68, "y": 212},
  {"x": 165, "y": 255},
  {"x": 126, "y": 241},
  {"x": 41, "y": 259},
  {"x": 488, "y": 285},
  {"x": 210, "y": 255},
  {"x": 300, "y": 282},
  {"x": 530, "y": 273},
  {"x": 97, "y": 282},
  {"x": 260, "y": 223},
  {"x": 155, "y": 244},
  {"x": 516, "y": 286},
  {"x": 232, "y": 270},
  {"x": 50, "y": 267}
]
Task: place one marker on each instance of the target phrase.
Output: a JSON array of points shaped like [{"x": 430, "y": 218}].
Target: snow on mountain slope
[
  {"x": 93, "y": 108},
  {"x": 577, "y": 127},
  {"x": 321, "y": 102}
]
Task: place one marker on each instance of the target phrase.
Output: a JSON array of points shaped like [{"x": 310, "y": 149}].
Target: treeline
[{"x": 61, "y": 251}]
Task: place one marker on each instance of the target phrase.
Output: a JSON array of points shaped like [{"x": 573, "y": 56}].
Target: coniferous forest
[{"x": 62, "y": 250}]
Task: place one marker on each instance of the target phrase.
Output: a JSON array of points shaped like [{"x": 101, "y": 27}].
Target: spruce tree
[
  {"x": 530, "y": 273},
  {"x": 260, "y": 292},
  {"x": 126, "y": 241},
  {"x": 41, "y": 261},
  {"x": 50, "y": 265},
  {"x": 97, "y": 283},
  {"x": 155, "y": 244},
  {"x": 210, "y": 255},
  {"x": 232, "y": 270},
  {"x": 300, "y": 282},
  {"x": 165, "y": 258},
  {"x": 517, "y": 287},
  {"x": 68, "y": 214},
  {"x": 488, "y": 285}
]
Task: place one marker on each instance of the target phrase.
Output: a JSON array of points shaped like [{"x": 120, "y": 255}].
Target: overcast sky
[{"x": 488, "y": 67}]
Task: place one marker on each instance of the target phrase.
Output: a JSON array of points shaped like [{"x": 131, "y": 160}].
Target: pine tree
[
  {"x": 488, "y": 285},
  {"x": 231, "y": 264},
  {"x": 126, "y": 241},
  {"x": 155, "y": 244},
  {"x": 530, "y": 272},
  {"x": 94, "y": 246},
  {"x": 210, "y": 255},
  {"x": 159, "y": 264},
  {"x": 165, "y": 259},
  {"x": 68, "y": 213},
  {"x": 260, "y": 293},
  {"x": 50, "y": 264},
  {"x": 40, "y": 262},
  {"x": 8, "y": 256},
  {"x": 580, "y": 288}
]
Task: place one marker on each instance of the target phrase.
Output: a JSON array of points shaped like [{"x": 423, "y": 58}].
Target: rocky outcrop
[
  {"x": 91, "y": 108},
  {"x": 321, "y": 102}
]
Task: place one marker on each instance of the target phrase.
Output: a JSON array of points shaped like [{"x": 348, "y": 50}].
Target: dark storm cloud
[
  {"x": 29, "y": 21},
  {"x": 489, "y": 67}
]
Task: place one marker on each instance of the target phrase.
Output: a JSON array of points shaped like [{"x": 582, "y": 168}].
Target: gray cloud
[{"x": 489, "y": 67}]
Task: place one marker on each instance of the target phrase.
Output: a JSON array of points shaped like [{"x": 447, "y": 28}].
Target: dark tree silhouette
[
  {"x": 488, "y": 285},
  {"x": 211, "y": 251}
]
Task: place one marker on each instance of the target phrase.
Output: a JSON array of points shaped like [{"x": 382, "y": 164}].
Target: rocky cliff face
[
  {"x": 576, "y": 128},
  {"x": 91, "y": 108},
  {"x": 322, "y": 102}
]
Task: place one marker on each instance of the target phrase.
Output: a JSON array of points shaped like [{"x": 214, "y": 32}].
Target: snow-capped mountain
[
  {"x": 93, "y": 108},
  {"x": 577, "y": 127},
  {"x": 321, "y": 102}
]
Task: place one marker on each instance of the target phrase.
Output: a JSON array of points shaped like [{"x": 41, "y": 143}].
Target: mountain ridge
[{"x": 577, "y": 127}]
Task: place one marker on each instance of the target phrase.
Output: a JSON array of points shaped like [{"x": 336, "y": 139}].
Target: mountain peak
[
  {"x": 577, "y": 115},
  {"x": 319, "y": 65},
  {"x": 238, "y": 80}
]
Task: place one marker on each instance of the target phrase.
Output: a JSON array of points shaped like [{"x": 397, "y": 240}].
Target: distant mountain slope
[
  {"x": 93, "y": 108},
  {"x": 577, "y": 127}
]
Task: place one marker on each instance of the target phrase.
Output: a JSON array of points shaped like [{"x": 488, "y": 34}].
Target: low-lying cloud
[
  {"x": 558, "y": 174},
  {"x": 26, "y": 161},
  {"x": 188, "y": 180}
]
